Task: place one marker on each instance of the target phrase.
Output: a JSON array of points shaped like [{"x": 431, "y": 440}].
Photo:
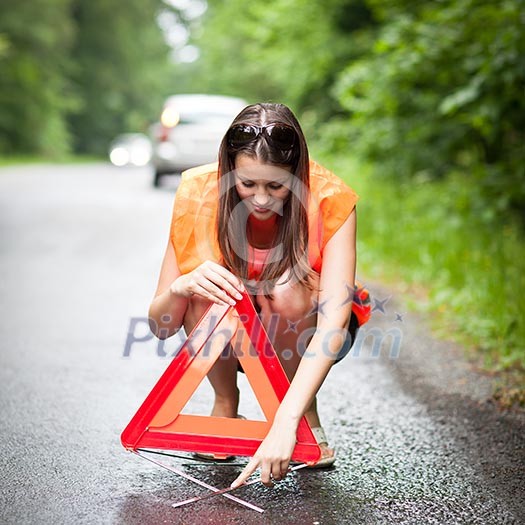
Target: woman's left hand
[{"x": 273, "y": 456}]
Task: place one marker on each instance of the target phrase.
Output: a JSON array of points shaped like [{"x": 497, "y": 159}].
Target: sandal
[
  {"x": 320, "y": 437},
  {"x": 212, "y": 457},
  {"x": 215, "y": 457}
]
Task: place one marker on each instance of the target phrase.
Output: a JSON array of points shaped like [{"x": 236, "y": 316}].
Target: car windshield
[{"x": 204, "y": 117}]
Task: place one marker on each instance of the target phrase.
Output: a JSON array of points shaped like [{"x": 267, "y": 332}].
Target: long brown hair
[{"x": 292, "y": 233}]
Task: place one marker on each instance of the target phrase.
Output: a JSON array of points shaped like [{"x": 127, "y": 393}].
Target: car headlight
[
  {"x": 140, "y": 156},
  {"x": 170, "y": 117},
  {"x": 119, "y": 156}
]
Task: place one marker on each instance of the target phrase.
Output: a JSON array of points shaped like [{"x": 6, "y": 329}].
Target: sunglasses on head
[{"x": 281, "y": 136}]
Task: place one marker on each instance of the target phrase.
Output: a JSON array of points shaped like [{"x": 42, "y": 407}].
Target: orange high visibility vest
[{"x": 194, "y": 219}]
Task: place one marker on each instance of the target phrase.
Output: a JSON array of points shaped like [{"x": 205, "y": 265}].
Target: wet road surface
[{"x": 81, "y": 247}]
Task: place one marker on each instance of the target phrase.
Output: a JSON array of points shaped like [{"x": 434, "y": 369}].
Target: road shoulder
[{"x": 457, "y": 394}]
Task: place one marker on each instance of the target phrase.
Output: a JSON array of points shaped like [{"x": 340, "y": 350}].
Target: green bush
[
  {"x": 433, "y": 233},
  {"x": 441, "y": 90}
]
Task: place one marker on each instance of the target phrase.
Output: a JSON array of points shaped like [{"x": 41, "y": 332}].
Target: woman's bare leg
[
  {"x": 223, "y": 374},
  {"x": 290, "y": 320}
]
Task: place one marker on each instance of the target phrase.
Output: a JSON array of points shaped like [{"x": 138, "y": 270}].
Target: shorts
[{"x": 353, "y": 327}]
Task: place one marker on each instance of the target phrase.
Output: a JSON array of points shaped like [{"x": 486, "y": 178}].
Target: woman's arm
[
  {"x": 337, "y": 278},
  {"x": 166, "y": 312},
  {"x": 209, "y": 280}
]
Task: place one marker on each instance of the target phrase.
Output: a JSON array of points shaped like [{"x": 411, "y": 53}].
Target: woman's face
[{"x": 262, "y": 187}]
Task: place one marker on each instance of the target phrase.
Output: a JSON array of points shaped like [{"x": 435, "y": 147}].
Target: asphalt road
[{"x": 81, "y": 246}]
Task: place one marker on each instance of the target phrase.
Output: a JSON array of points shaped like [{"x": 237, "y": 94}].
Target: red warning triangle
[{"x": 159, "y": 424}]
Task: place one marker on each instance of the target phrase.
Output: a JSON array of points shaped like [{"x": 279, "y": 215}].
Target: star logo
[
  {"x": 399, "y": 317},
  {"x": 292, "y": 327},
  {"x": 317, "y": 308},
  {"x": 350, "y": 291},
  {"x": 380, "y": 305}
]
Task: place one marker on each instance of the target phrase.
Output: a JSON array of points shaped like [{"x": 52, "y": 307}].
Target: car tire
[{"x": 157, "y": 178}]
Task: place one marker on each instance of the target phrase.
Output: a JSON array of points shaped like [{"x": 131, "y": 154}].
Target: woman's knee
[{"x": 291, "y": 301}]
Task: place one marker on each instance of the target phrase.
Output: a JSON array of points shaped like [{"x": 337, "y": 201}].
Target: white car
[{"x": 190, "y": 130}]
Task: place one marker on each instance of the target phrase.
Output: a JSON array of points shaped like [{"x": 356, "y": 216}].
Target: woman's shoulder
[
  {"x": 199, "y": 175},
  {"x": 199, "y": 183},
  {"x": 197, "y": 191},
  {"x": 193, "y": 218}
]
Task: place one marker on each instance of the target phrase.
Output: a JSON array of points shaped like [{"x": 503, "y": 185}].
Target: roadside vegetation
[
  {"x": 75, "y": 74},
  {"x": 447, "y": 262},
  {"x": 15, "y": 160}
]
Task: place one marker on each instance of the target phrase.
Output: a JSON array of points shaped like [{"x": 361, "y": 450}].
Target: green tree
[
  {"x": 122, "y": 71},
  {"x": 283, "y": 50},
  {"x": 442, "y": 89},
  {"x": 35, "y": 93}
]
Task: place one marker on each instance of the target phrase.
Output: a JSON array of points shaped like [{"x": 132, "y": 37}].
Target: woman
[{"x": 270, "y": 221}]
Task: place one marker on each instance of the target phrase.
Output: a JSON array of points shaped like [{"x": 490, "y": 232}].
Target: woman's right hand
[{"x": 210, "y": 281}]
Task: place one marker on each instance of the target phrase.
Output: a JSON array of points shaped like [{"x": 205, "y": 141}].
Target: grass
[
  {"x": 14, "y": 160},
  {"x": 432, "y": 237}
]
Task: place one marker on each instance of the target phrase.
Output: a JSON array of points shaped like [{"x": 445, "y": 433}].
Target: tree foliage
[
  {"x": 442, "y": 89},
  {"x": 121, "y": 69},
  {"x": 35, "y": 89},
  {"x": 73, "y": 74},
  {"x": 285, "y": 50}
]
